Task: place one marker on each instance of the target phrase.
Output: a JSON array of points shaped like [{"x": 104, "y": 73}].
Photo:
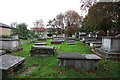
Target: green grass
[{"x": 47, "y": 67}]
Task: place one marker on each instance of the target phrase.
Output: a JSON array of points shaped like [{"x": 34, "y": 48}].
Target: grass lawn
[{"x": 47, "y": 67}]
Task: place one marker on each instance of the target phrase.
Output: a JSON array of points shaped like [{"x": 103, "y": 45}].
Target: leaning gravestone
[
  {"x": 9, "y": 64},
  {"x": 78, "y": 61}
]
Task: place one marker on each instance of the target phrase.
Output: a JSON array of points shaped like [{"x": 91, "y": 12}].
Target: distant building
[
  {"x": 39, "y": 29},
  {"x": 5, "y": 29}
]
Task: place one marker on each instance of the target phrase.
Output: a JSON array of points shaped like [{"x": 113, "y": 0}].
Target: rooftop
[{"x": 4, "y": 25}]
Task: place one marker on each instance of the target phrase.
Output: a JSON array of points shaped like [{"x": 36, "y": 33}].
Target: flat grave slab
[
  {"x": 42, "y": 43},
  {"x": 60, "y": 39},
  {"x": 39, "y": 41},
  {"x": 42, "y": 39},
  {"x": 107, "y": 54},
  {"x": 42, "y": 50},
  {"x": 78, "y": 61},
  {"x": 70, "y": 42},
  {"x": 56, "y": 41},
  {"x": 10, "y": 63}
]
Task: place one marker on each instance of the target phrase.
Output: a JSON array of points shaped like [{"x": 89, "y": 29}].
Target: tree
[
  {"x": 52, "y": 28},
  {"x": 103, "y": 16},
  {"x": 39, "y": 23},
  {"x": 85, "y": 5},
  {"x": 72, "y": 22},
  {"x": 66, "y": 23},
  {"x": 22, "y": 31}
]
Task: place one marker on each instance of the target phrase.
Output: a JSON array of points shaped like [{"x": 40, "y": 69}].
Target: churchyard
[
  {"x": 81, "y": 65},
  {"x": 71, "y": 45}
]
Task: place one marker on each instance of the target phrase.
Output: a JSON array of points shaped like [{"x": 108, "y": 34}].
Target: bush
[{"x": 108, "y": 68}]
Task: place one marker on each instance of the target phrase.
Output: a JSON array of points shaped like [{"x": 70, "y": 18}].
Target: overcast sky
[{"x": 30, "y": 10}]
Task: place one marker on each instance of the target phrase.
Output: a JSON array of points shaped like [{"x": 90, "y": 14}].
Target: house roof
[
  {"x": 40, "y": 29},
  {"x": 5, "y": 26}
]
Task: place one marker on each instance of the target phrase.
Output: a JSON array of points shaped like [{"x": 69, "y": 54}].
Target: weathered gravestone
[
  {"x": 84, "y": 39},
  {"x": 9, "y": 44},
  {"x": 42, "y": 50},
  {"x": 110, "y": 48},
  {"x": 57, "y": 41},
  {"x": 42, "y": 39},
  {"x": 95, "y": 44},
  {"x": 21, "y": 41},
  {"x": 2, "y": 52},
  {"x": 78, "y": 61},
  {"x": 10, "y": 64},
  {"x": 82, "y": 34},
  {"x": 111, "y": 43},
  {"x": 28, "y": 41},
  {"x": 70, "y": 42},
  {"x": 40, "y": 43}
]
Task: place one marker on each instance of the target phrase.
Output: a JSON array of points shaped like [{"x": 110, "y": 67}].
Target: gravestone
[
  {"x": 21, "y": 41},
  {"x": 42, "y": 50},
  {"x": 82, "y": 34},
  {"x": 57, "y": 41},
  {"x": 42, "y": 39},
  {"x": 70, "y": 42},
  {"x": 60, "y": 39},
  {"x": 85, "y": 39},
  {"x": 78, "y": 61},
  {"x": 10, "y": 64},
  {"x": 40, "y": 43},
  {"x": 9, "y": 44},
  {"x": 111, "y": 43},
  {"x": 96, "y": 44},
  {"x": 93, "y": 43},
  {"x": 110, "y": 48},
  {"x": 28, "y": 41}
]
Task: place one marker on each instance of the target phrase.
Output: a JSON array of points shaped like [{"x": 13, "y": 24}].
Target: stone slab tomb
[
  {"x": 110, "y": 48},
  {"x": 78, "y": 61},
  {"x": 111, "y": 43},
  {"x": 70, "y": 42},
  {"x": 57, "y": 41},
  {"x": 42, "y": 39},
  {"x": 97, "y": 44},
  {"x": 94, "y": 43},
  {"x": 42, "y": 50},
  {"x": 9, "y": 64},
  {"x": 106, "y": 55},
  {"x": 41, "y": 43},
  {"x": 88, "y": 39}
]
